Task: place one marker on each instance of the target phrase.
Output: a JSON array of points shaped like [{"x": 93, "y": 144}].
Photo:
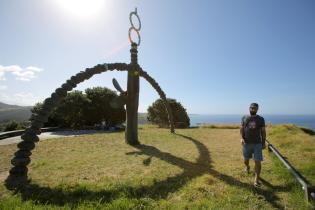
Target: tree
[
  {"x": 79, "y": 109},
  {"x": 11, "y": 126},
  {"x": 71, "y": 112},
  {"x": 157, "y": 114},
  {"x": 53, "y": 119},
  {"x": 101, "y": 110}
]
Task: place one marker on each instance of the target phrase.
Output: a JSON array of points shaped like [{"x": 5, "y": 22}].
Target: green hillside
[
  {"x": 7, "y": 106},
  {"x": 14, "y": 112}
]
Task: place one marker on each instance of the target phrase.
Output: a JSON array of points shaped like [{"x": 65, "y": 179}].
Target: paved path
[
  {"x": 3, "y": 175},
  {"x": 54, "y": 134}
]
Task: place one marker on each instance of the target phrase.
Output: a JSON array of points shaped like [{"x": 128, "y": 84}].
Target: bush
[
  {"x": 11, "y": 126},
  {"x": 157, "y": 114}
]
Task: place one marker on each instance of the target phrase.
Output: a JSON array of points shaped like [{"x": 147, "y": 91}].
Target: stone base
[{"x": 16, "y": 182}]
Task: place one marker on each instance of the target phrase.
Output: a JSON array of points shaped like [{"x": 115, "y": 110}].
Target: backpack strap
[{"x": 246, "y": 121}]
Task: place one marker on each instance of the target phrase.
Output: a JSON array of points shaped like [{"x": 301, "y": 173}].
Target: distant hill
[
  {"x": 142, "y": 118},
  {"x": 21, "y": 113},
  {"x": 4, "y": 106},
  {"x": 13, "y": 112}
]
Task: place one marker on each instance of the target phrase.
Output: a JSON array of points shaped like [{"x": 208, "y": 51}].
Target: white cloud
[
  {"x": 2, "y": 76},
  {"x": 34, "y": 69},
  {"x": 12, "y": 68},
  {"x": 22, "y": 74},
  {"x": 3, "y": 87}
]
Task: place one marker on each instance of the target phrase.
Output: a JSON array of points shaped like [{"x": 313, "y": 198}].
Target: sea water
[{"x": 299, "y": 120}]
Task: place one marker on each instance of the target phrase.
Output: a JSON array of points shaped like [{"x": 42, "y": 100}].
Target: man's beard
[{"x": 253, "y": 113}]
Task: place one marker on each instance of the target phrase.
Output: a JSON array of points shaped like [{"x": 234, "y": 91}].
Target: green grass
[
  {"x": 297, "y": 145},
  {"x": 198, "y": 168}
]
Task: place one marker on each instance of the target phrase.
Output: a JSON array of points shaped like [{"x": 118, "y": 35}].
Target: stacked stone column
[
  {"x": 162, "y": 95},
  {"x": 18, "y": 173}
]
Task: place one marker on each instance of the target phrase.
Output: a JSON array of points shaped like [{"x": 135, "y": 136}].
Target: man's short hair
[{"x": 254, "y": 105}]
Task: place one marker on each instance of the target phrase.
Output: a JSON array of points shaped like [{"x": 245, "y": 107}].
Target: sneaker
[{"x": 247, "y": 168}]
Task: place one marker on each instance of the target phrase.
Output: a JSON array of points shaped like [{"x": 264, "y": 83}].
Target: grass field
[{"x": 199, "y": 168}]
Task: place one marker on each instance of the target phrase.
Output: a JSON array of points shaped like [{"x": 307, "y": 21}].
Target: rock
[
  {"x": 17, "y": 161},
  {"x": 19, "y": 170},
  {"x": 26, "y": 145},
  {"x": 27, "y": 136},
  {"x": 23, "y": 153}
]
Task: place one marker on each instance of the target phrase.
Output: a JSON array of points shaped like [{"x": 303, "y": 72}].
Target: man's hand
[
  {"x": 242, "y": 141},
  {"x": 264, "y": 146}
]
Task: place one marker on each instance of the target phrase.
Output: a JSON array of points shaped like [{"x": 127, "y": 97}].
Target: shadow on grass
[
  {"x": 158, "y": 190},
  {"x": 308, "y": 131}
]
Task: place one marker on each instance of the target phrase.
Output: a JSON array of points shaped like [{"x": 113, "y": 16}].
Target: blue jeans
[{"x": 250, "y": 149}]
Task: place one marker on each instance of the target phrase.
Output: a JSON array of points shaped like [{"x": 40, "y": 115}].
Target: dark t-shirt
[{"x": 252, "y": 128}]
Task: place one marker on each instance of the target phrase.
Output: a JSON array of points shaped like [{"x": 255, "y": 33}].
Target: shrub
[
  {"x": 11, "y": 126},
  {"x": 157, "y": 114}
]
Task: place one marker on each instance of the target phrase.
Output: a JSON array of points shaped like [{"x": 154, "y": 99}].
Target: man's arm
[
  {"x": 242, "y": 134},
  {"x": 263, "y": 136}
]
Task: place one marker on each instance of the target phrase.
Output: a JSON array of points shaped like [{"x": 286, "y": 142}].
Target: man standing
[{"x": 253, "y": 137}]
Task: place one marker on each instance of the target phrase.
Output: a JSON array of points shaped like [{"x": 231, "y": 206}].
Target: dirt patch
[{"x": 3, "y": 175}]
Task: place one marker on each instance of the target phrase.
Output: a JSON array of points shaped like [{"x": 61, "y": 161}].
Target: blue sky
[{"x": 215, "y": 57}]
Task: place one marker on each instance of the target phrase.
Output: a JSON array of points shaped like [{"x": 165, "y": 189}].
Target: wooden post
[{"x": 131, "y": 133}]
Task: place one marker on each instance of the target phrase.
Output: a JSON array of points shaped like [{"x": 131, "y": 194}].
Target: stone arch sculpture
[{"x": 18, "y": 173}]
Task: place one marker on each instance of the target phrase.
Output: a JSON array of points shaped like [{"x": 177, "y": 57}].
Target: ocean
[{"x": 299, "y": 120}]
